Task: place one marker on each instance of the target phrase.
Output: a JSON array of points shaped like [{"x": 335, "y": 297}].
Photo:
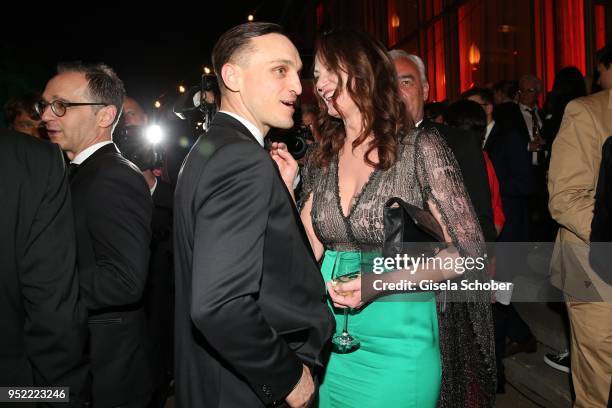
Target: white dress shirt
[
  {"x": 84, "y": 155},
  {"x": 251, "y": 127}
]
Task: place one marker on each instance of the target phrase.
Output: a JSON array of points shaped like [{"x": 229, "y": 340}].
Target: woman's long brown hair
[{"x": 372, "y": 85}]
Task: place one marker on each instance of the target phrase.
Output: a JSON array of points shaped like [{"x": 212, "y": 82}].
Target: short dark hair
[
  {"x": 467, "y": 115},
  {"x": 21, "y": 103},
  {"x": 103, "y": 83},
  {"x": 485, "y": 94},
  {"x": 508, "y": 87},
  {"x": 236, "y": 42},
  {"x": 604, "y": 56}
]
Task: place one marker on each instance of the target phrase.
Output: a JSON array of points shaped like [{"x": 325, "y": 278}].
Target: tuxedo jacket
[
  {"x": 159, "y": 291},
  {"x": 43, "y": 327},
  {"x": 512, "y": 163},
  {"x": 468, "y": 151},
  {"x": 250, "y": 300},
  {"x": 112, "y": 210}
]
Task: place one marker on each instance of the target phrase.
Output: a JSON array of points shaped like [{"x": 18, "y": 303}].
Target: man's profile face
[
  {"x": 414, "y": 92},
  {"x": 529, "y": 92},
  {"x": 605, "y": 76},
  {"x": 24, "y": 123},
  {"x": 133, "y": 115},
  {"x": 78, "y": 127},
  {"x": 270, "y": 82}
]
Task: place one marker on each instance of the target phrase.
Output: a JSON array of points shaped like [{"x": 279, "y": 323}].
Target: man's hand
[
  {"x": 286, "y": 163},
  {"x": 303, "y": 391}
]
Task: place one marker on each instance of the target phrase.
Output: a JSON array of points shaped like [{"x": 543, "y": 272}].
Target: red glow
[
  {"x": 320, "y": 14},
  {"x": 440, "y": 60},
  {"x": 465, "y": 73},
  {"x": 392, "y": 31},
  {"x": 600, "y": 26},
  {"x": 570, "y": 34}
]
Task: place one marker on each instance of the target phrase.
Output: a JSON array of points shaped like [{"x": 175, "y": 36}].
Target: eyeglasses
[{"x": 59, "y": 107}]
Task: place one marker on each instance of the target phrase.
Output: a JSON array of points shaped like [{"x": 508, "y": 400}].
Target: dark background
[{"x": 153, "y": 48}]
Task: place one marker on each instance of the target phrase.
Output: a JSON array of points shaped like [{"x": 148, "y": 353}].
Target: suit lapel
[
  {"x": 106, "y": 149},
  {"x": 224, "y": 120},
  {"x": 491, "y": 139}
]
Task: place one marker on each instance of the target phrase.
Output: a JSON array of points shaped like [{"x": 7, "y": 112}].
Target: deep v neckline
[{"x": 355, "y": 201}]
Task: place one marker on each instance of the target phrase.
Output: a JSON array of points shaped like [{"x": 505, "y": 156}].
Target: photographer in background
[
  {"x": 159, "y": 290},
  {"x": 310, "y": 114},
  {"x": 20, "y": 115}
]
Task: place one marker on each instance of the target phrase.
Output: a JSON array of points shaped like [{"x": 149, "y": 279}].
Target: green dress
[{"x": 398, "y": 361}]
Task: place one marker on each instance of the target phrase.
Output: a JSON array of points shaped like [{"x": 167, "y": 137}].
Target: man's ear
[
  {"x": 231, "y": 75},
  {"x": 426, "y": 91},
  {"x": 107, "y": 115}
]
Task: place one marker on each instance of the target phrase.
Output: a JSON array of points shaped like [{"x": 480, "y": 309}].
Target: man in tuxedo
[
  {"x": 251, "y": 314},
  {"x": 112, "y": 210},
  {"x": 511, "y": 161},
  {"x": 465, "y": 146},
  {"x": 43, "y": 326}
]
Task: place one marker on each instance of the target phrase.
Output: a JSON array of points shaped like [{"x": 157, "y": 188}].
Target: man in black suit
[
  {"x": 512, "y": 162},
  {"x": 112, "y": 209},
  {"x": 506, "y": 149},
  {"x": 465, "y": 146},
  {"x": 251, "y": 314},
  {"x": 44, "y": 333}
]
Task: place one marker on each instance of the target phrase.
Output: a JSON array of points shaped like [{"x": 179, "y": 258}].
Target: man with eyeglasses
[{"x": 112, "y": 206}]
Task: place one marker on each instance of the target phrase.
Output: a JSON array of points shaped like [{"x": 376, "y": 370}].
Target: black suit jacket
[
  {"x": 112, "y": 208},
  {"x": 159, "y": 292},
  {"x": 468, "y": 151},
  {"x": 43, "y": 327},
  {"x": 512, "y": 163},
  {"x": 250, "y": 299}
]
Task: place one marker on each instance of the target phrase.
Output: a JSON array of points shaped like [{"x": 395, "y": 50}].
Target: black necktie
[
  {"x": 537, "y": 134},
  {"x": 72, "y": 167}
]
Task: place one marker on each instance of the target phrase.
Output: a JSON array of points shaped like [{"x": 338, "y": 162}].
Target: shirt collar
[
  {"x": 250, "y": 126},
  {"x": 489, "y": 128},
  {"x": 84, "y": 155},
  {"x": 152, "y": 189}
]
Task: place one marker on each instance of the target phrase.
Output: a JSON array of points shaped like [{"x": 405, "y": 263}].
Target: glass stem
[{"x": 345, "y": 330}]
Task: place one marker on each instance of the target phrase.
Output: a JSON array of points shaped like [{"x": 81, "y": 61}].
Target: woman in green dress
[{"x": 370, "y": 152}]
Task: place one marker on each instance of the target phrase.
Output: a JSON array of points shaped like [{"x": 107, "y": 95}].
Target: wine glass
[{"x": 345, "y": 342}]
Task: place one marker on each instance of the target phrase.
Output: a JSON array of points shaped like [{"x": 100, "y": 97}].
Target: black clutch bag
[{"x": 410, "y": 230}]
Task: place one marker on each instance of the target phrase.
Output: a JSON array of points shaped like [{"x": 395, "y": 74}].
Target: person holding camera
[{"x": 159, "y": 290}]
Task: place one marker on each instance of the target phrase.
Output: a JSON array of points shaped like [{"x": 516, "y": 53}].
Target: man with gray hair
[
  {"x": 466, "y": 146},
  {"x": 80, "y": 107}
]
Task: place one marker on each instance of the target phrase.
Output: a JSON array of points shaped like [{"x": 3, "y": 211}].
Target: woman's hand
[
  {"x": 345, "y": 294},
  {"x": 286, "y": 163}
]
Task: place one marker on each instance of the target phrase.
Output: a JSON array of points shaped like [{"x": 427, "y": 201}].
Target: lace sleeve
[
  {"x": 466, "y": 334},
  {"x": 307, "y": 174},
  {"x": 441, "y": 181}
]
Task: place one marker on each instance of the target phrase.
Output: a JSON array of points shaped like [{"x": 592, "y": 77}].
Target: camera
[
  {"x": 297, "y": 140},
  {"x": 199, "y": 104},
  {"x": 140, "y": 145}
]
